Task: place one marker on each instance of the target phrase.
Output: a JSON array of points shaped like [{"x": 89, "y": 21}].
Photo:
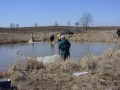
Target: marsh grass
[
  {"x": 103, "y": 73},
  {"x": 18, "y": 36},
  {"x": 96, "y": 36}
]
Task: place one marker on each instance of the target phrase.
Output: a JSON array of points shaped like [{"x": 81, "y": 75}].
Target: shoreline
[
  {"x": 89, "y": 36},
  {"x": 93, "y": 34},
  {"x": 103, "y": 71}
]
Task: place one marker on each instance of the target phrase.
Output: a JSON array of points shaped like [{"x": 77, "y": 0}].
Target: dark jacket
[
  {"x": 64, "y": 47},
  {"x": 52, "y": 38},
  {"x": 118, "y": 32}
]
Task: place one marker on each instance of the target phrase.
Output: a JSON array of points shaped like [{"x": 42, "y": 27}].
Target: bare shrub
[
  {"x": 70, "y": 66},
  {"x": 106, "y": 55},
  {"x": 45, "y": 36},
  {"x": 33, "y": 64},
  {"x": 5, "y": 74},
  {"x": 17, "y": 76},
  {"x": 88, "y": 62},
  {"x": 103, "y": 73},
  {"x": 95, "y": 36}
]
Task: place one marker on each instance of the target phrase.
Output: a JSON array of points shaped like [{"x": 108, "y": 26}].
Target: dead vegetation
[
  {"x": 103, "y": 70},
  {"x": 96, "y": 36},
  {"x": 43, "y": 33},
  {"x": 103, "y": 73}
]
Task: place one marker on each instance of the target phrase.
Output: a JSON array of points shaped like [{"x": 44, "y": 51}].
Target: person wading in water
[
  {"x": 63, "y": 48},
  {"x": 59, "y": 37}
]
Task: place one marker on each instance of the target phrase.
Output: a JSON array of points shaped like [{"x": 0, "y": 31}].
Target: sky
[{"x": 46, "y": 12}]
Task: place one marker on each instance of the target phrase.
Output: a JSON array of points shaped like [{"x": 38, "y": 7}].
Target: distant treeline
[{"x": 58, "y": 28}]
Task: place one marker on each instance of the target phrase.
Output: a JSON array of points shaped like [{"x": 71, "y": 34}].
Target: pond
[{"x": 9, "y": 52}]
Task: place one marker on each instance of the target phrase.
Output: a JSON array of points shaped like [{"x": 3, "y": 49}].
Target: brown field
[
  {"x": 18, "y": 35},
  {"x": 103, "y": 70}
]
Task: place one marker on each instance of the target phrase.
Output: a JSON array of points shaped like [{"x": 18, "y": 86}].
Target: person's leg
[
  {"x": 50, "y": 40},
  {"x": 118, "y": 35},
  {"x": 33, "y": 39},
  {"x": 59, "y": 40},
  {"x": 62, "y": 54},
  {"x": 65, "y": 56}
]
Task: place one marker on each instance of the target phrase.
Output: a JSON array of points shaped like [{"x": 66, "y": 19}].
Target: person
[
  {"x": 118, "y": 32},
  {"x": 63, "y": 48},
  {"x": 52, "y": 38},
  {"x": 59, "y": 37},
  {"x": 32, "y": 36}
]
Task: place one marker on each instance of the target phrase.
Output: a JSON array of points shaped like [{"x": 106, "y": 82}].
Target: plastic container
[{"x": 5, "y": 84}]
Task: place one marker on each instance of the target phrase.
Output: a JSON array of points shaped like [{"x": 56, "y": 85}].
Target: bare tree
[
  {"x": 12, "y": 25},
  {"x": 86, "y": 20},
  {"x": 68, "y": 23},
  {"x": 77, "y": 23},
  {"x": 35, "y": 24},
  {"x": 17, "y": 25},
  {"x": 56, "y": 23}
]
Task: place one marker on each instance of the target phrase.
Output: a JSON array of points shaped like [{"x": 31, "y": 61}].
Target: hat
[{"x": 62, "y": 37}]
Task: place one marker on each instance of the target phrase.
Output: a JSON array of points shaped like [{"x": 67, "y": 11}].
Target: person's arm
[{"x": 69, "y": 44}]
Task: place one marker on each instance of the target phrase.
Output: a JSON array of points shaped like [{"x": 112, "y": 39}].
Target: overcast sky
[{"x": 47, "y": 12}]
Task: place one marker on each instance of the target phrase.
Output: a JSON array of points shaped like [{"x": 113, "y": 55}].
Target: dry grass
[
  {"x": 104, "y": 73},
  {"x": 43, "y": 34},
  {"x": 104, "y": 70},
  {"x": 93, "y": 36},
  {"x": 7, "y": 37}
]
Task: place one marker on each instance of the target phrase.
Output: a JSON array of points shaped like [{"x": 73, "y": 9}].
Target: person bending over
[{"x": 63, "y": 47}]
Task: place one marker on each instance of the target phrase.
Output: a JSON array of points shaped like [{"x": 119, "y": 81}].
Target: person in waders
[
  {"x": 59, "y": 37},
  {"x": 52, "y": 38},
  {"x": 118, "y": 32},
  {"x": 63, "y": 48},
  {"x": 32, "y": 36}
]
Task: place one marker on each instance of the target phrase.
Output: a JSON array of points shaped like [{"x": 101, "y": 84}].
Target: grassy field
[
  {"x": 103, "y": 71},
  {"x": 19, "y": 35}
]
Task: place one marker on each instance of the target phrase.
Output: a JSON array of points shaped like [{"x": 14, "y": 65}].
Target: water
[{"x": 9, "y": 52}]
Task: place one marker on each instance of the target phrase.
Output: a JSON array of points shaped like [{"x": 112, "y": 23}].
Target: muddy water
[{"x": 9, "y": 52}]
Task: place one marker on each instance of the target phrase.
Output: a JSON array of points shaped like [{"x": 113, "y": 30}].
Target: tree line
[{"x": 85, "y": 21}]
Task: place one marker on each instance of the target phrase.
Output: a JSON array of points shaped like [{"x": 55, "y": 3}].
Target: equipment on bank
[{"x": 5, "y": 84}]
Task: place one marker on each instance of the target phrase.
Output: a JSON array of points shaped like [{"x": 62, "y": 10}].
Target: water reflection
[
  {"x": 32, "y": 45},
  {"x": 52, "y": 49},
  {"x": 77, "y": 50}
]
